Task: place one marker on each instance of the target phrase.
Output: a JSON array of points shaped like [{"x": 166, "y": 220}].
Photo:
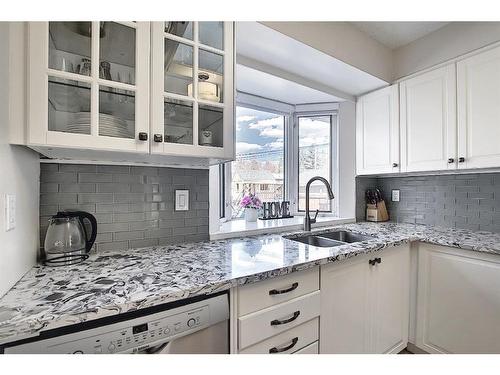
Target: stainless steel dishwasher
[{"x": 195, "y": 326}]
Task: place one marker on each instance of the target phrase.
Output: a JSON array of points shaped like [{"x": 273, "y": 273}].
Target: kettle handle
[{"x": 93, "y": 222}]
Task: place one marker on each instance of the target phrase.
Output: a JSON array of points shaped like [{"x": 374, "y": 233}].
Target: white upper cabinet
[
  {"x": 428, "y": 121},
  {"x": 89, "y": 85},
  {"x": 147, "y": 92},
  {"x": 377, "y": 132},
  {"x": 192, "y": 89},
  {"x": 478, "y": 82}
]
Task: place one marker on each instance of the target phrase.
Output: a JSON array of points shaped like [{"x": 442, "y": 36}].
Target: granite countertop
[{"x": 115, "y": 282}]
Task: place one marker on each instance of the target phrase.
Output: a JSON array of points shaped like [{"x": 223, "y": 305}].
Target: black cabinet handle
[
  {"x": 277, "y": 322},
  {"x": 451, "y": 161},
  {"x": 461, "y": 159},
  {"x": 158, "y": 138},
  {"x": 394, "y": 165},
  {"x": 284, "y": 349},
  {"x": 374, "y": 261},
  {"x": 283, "y": 291},
  {"x": 143, "y": 136}
]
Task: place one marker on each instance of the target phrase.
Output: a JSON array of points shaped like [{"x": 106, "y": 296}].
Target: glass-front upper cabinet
[
  {"x": 89, "y": 85},
  {"x": 192, "y": 88}
]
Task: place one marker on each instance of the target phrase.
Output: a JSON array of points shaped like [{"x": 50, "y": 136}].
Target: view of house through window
[
  {"x": 259, "y": 165},
  {"x": 314, "y": 133}
]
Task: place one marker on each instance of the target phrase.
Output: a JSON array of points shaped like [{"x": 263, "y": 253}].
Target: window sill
[{"x": 239, "y": 227}]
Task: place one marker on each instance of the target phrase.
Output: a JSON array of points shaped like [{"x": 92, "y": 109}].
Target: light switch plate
[
  {"x": 182, "y": 200},
  {"x": 10, "y": 212},
  {"x": 395, "y": 195}
]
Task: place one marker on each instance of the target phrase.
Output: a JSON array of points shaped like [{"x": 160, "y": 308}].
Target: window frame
[
  {"x": 334, "y": 149},
  {"x": 291, "y": 152}
]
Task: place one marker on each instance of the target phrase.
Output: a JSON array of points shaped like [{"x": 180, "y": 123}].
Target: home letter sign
[{"x": 276, "y": 210}]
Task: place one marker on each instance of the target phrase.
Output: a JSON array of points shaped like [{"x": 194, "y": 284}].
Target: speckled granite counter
[{"x": 115, "y": 282}]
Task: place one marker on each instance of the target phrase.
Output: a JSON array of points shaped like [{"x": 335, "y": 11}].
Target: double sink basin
[{"x": 330, "y": 239}]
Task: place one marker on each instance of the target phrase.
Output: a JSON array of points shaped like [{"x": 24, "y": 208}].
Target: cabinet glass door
[
  {"x": 117, "y": 50},
  {"x": 191, "y": 72},
  {"x": 69, "y": 100},
  {"x": 95, "y": 78}
]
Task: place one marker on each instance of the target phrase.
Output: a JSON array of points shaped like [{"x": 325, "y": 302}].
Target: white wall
[
  {"x": 344, "y": 42},
  {"x": 347, "y": 159},
  {"x": 19, "y": 175},
  {"x": 446, "y": 43}
]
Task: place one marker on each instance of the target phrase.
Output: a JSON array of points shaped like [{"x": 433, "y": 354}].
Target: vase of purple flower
[{"x": 251, "y": 203}]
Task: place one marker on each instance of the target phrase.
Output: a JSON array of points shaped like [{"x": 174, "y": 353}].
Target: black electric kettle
[{"x": 67, "y": 240}]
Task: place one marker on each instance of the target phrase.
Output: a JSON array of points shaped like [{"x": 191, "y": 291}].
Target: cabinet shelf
[{"x": 74, "y": 97}]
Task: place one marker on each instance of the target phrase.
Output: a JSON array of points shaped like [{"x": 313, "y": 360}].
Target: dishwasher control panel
[{"x": 129, "y": 338}]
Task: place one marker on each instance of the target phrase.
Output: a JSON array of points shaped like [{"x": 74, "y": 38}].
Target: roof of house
[{"x": 258, "y": 176}]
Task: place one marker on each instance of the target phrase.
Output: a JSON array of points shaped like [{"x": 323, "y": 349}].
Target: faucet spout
[{"x": 307, "y": 219}]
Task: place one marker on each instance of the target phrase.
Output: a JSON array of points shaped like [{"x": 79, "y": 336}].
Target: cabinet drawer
[
  {"x": 260, "y": 325},
  {"x": 288, "y": 341},
  {"x": 258, "y": 296},
  {"x": 309, "y": 349}
]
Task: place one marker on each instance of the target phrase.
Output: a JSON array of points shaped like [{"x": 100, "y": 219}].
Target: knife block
[{"x": 377, "y": 212}]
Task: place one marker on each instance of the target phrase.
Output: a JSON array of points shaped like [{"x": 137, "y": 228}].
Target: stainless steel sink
[
  {"x": 345, "y": 236},
  {"x": 316, "y": 241},
  {"x": 330, "y": 239}
]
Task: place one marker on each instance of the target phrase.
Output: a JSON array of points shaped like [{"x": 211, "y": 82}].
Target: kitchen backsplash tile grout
[
  {"x": 469, "y": 201},
  {"x": 134, "y": 206}
]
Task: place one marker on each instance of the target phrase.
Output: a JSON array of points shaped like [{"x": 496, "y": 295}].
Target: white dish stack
[{"x": 109, "y": 125}]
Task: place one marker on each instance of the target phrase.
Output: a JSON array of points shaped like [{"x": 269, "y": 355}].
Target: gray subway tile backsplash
[
  {"x": 470, "y": 201},
  {"x": 134, "y": 205}
]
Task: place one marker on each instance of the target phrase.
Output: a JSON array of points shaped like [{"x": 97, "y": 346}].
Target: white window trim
[
  {"x": 271, "y": 106},
  {"x": 333, "y": 178}
]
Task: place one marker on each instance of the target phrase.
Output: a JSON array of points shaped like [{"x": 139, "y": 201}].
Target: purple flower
[{"x": 250, "y": 201}]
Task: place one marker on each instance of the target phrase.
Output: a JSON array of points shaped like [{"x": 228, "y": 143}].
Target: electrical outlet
[
  {"x": 182, "y": 200},
  {"x": 395, "y": 195},
  {"x": 10, "y": 212}
]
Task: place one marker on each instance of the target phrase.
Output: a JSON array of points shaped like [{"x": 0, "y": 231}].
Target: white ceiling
[
  {"x": 398, "y": 34},
  {"x": 263, "y": 44},
  {"x": 258, "y": 83}
]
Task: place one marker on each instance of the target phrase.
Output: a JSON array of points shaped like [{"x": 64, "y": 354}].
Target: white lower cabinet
[
  {"x": 289, "y": 341},
  {"x": 458, "y": 301},
  {"x": 309, "y": 349},
  {"x": 362, "y": 305},
  {"x": 365, "y": 305},
  {"x": 271, "y": 321},
  {"x": 277, "y": 316}
]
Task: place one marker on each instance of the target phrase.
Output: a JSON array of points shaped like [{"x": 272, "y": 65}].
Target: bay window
[
  {"x": 277, "y": 152},
  {"x": 314, "y": 159},
  {"x": 259, "y": 167}
]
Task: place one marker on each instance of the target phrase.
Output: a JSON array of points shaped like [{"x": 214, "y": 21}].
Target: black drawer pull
[
  {"x": 374, "y": 261},
  {"x": 158, "y": 138},
  {"x": 461, "y": 160},
  {"x": 283, "y": 291},
  {"x": 284, "y": 349},
  {"x": 143, "y": 136},
  {"x": 277, "y": 322}
]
